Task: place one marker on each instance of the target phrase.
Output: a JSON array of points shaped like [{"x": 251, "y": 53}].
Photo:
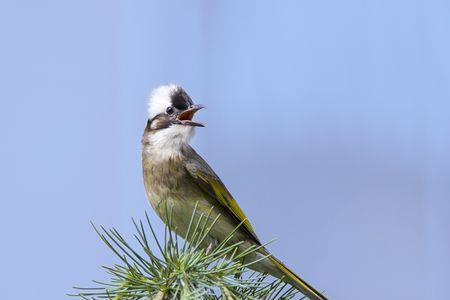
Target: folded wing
[{"x": 202, "y": 174}]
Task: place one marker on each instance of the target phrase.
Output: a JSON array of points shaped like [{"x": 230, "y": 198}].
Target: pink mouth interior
[{"x": 186, "y": 115}]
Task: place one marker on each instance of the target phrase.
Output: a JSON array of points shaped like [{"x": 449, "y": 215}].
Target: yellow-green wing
[{"x": 210, "y": 183}]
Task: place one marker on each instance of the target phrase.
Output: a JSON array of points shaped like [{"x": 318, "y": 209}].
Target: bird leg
[
  {"x": 239, "y": 274},
  {"x": 209, "y": 248}
]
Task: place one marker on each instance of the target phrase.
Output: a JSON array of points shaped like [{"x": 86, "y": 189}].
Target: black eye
[{"x": 170, "y": 110}]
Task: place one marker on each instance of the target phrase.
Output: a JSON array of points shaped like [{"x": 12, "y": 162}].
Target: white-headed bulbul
[{"x": 176, "y": 176}]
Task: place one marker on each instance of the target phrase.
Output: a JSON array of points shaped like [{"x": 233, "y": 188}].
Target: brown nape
[
  {"x": 144, "y": 140},
  {"x": 149, "y": 122}
]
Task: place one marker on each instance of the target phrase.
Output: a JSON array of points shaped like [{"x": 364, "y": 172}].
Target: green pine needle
[{"x": 181, "y": 270}]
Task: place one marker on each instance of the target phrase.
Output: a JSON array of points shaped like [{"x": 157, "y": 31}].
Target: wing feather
[{"x": 210, "y": 183}]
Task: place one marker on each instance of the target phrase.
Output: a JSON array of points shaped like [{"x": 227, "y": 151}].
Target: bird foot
[{"x": 209, "y": 248}]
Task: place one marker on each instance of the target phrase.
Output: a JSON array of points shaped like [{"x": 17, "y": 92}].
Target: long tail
[{"x": 296, "y": 281}]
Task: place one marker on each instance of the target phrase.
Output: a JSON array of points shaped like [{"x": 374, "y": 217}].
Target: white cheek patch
[
  {"x": 168, "y": 143},
  {"x": 160, "y": 99}
]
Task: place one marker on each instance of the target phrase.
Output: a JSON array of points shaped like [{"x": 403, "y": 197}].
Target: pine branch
[{"x": 180, "y": 269}]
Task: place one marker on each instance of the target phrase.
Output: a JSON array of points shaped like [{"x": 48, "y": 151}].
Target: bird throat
[{"x": 167, "y": 144}]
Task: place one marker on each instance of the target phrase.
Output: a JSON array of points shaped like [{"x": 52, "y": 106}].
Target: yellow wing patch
[{"x": 226, "y": 200}]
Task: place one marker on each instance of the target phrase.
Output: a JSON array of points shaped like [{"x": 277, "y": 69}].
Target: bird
[{"x": 176, "y": 176}]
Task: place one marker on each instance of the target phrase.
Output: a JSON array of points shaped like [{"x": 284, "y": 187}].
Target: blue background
[{"x": 329, "y": 121}]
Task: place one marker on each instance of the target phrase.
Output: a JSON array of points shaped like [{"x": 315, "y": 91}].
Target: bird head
[{"x": 170, "y": 114}]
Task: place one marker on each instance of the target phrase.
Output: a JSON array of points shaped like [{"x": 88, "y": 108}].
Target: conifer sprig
[{"x": 181, "y": 269}]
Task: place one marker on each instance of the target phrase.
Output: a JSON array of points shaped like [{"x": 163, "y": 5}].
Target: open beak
[{"x": 185, "y": 117}]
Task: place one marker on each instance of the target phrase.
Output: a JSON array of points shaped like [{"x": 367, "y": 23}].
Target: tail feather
[{"x": 296, "y": 281}]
